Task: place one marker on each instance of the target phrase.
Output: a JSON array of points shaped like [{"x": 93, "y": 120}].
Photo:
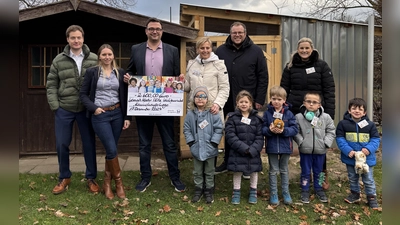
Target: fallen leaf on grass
[
  {"x": 218, "y": 213},
  {"x": 335, "y": 214},
  {"x": 200, "y": 209},
  {"x": 356, "y": 216},
  {"x": 64, "y": 204},
  {"x": 42, "y": 198},
  {"x": 224, "y": 199},
  {"x": 185, "y": 198},
  {"x": 167, "y": 208},
  {"x": 84, "y": 212},
  {"x": 366, "y": 211},
  {"x": 342, "y": 212},
  {"x": 144, "y": 221},
  {"x": 40, "y": 209},
  {"x": 155, "y": 173},
  {"x": 258, "y": 213},
  {"x": 303, "y": 217},
  {"x": 31, "y": 185},
  {"x": 36, "y": 222},
  {"x": 247, "y": 222},
  {"x": 303, "y": 223},
  {"x": 182, "y": 211}
]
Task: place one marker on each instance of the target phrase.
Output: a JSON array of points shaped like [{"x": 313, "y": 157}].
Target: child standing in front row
[
  {"x": 316, "y": 134},
  {"x": 244, "y": 137},
  {"x": 203, "y": 132},
  {"x": 278, "y": 142},
  {"x": 357, "y": 133}
]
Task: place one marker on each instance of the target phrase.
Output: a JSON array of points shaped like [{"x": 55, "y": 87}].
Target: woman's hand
[
  {"x": 127, "y": 123},
  {"x": 98, "y": 111},
  {"x": 214, "y": 109}
]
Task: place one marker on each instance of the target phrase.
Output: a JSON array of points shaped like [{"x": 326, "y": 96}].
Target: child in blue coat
[{"x": 278, "y": 142}]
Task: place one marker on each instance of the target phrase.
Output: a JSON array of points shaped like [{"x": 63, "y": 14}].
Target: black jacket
[
  {"x": 297, "y": 82},
  {"x": 247, "y": 69},
  {"x": 241, "y": 137}
]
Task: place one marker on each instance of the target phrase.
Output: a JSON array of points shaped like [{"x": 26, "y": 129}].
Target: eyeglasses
[
  {"x": 311, "y": 102},
  {"x": 201, "y": 96},
  {"x": 237, "y": 33},
  {"x": 152, "y": 29}
]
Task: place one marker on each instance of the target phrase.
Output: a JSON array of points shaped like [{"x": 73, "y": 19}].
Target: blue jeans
[
  {"x": 278, "y": 163},
  {"x": 165, "y": 125},
  {"x": 64, "y": 123},
  {"x": 310, "y": 162},
  {"x": 368, "y": 180},
  {"x": 108, "y": 127}
]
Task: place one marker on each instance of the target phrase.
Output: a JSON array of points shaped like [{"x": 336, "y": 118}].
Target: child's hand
[
  {"x": 351, "y": 154},
  {"x": 365, "y": 151}
]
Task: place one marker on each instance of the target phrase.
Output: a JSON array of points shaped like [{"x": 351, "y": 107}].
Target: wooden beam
[
  {"x": 45, "y": 10},
  {"x": 231, "y": 15}
]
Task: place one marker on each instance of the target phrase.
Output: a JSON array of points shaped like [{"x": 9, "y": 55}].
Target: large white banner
[{"x": 155, "y": 96}]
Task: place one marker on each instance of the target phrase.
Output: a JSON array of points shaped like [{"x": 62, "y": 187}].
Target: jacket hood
[
  {"x": 245, "y": 44},
  {"x": 347, "y": 116},
  {"x": 213, "y": 57}
]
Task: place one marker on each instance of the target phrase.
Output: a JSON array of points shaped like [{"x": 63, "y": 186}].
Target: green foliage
[{"x": 160, "y": 204}]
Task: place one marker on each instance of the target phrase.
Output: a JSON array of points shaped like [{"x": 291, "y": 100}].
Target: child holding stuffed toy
[
  {"x": 356, "y": 133},
  {"x": 279, "y": 128},
  {"x": 243, "y": 132},
  {"x": 316, "y": 134}
]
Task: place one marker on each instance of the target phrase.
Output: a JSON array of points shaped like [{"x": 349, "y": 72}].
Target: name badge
[
  {"x": 278, "y": 115},
  {"x": 310, "y": 70},
  {"x": 203, "y": 124},
  {"x": 362, "y": 123},
  {"x": 246, "y": 120},
  {"x": 314, "y": 121}
]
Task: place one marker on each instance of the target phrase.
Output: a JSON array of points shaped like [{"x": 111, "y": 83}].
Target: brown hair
[
  {"x": 358, "y": 102},
  {"x": 153, "y": 20},
  {"x": 73, "y": 28},
  {"x": 247, "y": 94}
]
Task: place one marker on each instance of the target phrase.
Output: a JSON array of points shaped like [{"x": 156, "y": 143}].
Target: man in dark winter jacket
[{"x": 247, "y": 70}]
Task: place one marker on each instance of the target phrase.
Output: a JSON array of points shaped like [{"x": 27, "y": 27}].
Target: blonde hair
[
  {"x": 203, "y": 40},
  {"x": 304, "y": 39},
  {"x": 243, "y": 94},
  {"x": 114, "y": 63},
  {"x": 277, "y": 91}
]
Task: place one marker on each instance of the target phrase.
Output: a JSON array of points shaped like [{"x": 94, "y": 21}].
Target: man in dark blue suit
[{"x": 155, "y": 58}]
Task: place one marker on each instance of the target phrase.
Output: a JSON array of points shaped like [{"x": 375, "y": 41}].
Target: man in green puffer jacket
[{"x": 63, "y": 83}]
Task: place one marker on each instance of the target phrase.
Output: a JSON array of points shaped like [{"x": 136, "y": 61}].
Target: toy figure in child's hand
[
  {"x": 278, "y": 123},
  {"x": 361, "y": 165}
]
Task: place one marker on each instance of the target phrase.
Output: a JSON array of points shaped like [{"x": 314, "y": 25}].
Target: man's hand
[
  {"x": 126, "y": 78},
  {"x": 258, "y": 106}
]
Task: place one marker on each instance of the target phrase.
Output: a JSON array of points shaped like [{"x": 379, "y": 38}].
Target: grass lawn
[{"x": 160, "y": 204}]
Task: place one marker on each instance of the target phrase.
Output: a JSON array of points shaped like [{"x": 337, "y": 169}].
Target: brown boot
[
  {"x": 107, "y": 181},
  {"x": 116, "y": 175},
  {"x": 325, "y": 184}
]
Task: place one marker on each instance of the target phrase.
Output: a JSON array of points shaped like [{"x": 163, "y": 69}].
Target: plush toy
[
  {"x": 279, "y": 123},
  {"x": 361, "y": 163}
]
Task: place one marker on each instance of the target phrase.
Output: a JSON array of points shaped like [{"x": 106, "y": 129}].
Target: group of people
[
  {"x": 155, "y": 86},
  {"x": 226, "y": 88}
]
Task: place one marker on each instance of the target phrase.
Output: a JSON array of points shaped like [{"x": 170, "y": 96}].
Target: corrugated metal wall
[{"x": 342, "y": 46}]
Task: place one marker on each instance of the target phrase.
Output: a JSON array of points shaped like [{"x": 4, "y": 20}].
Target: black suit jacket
[{"x": 171, "y": 65}]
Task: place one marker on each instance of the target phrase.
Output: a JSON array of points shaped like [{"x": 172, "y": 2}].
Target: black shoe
[
  {"x": 221, "y": 168},
  {"x": 305, "y": 197},
  {"x": 373, "y": 204},
  {"x": 198, "y": 192},
  {"x": 142, "y": 185},
  {"x": 321, "y": 196},
  {"x": 208, "y": 193},
  {"x": 353, "y": 197},
  {"x": 179, "y": 186}
]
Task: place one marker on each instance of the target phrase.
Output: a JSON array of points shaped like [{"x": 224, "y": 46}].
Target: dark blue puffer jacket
[
  {"x": 241, "y": 137},
  {"x": 279, "y": 143}
]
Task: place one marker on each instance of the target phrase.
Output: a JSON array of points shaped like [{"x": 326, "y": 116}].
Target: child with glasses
[
  {"x": 356, "y": 133},
  {"x": 203, "y": 132},
  {"x": 316, "y": 134},
  {"x": 243, "y": 131}
]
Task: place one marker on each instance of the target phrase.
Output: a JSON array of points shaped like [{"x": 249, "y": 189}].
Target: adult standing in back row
[
  {"x": 306, "y": 72},
  {"x": 247, "y": 70}
]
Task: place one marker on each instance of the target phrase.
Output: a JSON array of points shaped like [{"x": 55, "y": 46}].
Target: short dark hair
[
  {"x": 73, "y": 28},
  {"x": 153, "y": 20},
  {"x": 358, "y": 102},
  {"x": 237, "y": 23},
  {"x": 313, "y": 93}
]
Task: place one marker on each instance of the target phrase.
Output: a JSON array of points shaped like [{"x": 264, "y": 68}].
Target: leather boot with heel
[
  {"x": 107, "y": 181},
  {"x": 116, "y": 176}
]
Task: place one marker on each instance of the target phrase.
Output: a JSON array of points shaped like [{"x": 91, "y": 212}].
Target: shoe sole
[
  {"x": 144, "y": 188},
  {"x": 351, "y": 202},
  {"x": 176, "y": 189},
  {"x": 223, "y": 171},
  {"x": 305, "y": 202},
  {"x": 235, "y": 203}
]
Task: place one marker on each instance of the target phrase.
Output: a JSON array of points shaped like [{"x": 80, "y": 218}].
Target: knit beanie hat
[{"x": 198, "y": 89}]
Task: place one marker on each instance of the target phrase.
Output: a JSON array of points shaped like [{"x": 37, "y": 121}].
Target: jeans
[
  {"x": 310, "y": 162},
  {"x": 165, "y": 125},
  {"x": 64, "y": 122},
  {"x": 203, "y": 172},
  {"x": 278, "y": 163},
  {"x": 368, "y": 180},
  {"x": 108, "y": 127}
]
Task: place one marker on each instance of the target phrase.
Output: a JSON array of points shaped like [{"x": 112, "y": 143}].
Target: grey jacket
[
  {"x": 203, "y": 142},
  {"x": 315, "y": 139}
]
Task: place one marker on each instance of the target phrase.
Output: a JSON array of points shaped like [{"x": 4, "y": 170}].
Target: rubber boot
[
  {"x": 107, "y": 181},
  {"x": 116, "y": 176}
]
